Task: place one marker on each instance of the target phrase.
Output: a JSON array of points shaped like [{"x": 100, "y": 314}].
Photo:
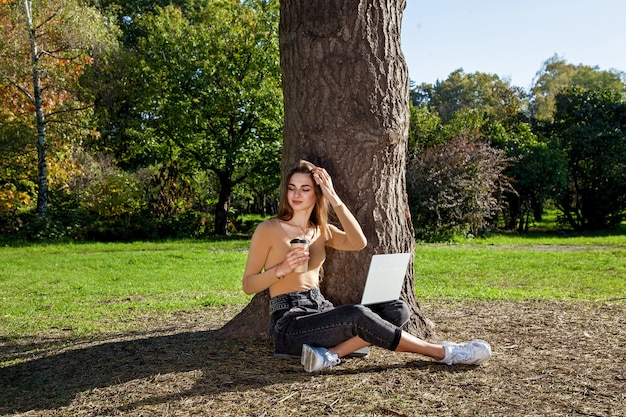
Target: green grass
[
  {"x": 515, "y": 274},
  {"x": 82, "y": 289},
  {"x": 85, "y": 288},
  {"x": 546, "y": 263},
  {"x": 616, "y": 237}
]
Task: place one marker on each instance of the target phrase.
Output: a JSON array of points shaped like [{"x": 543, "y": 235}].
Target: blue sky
[{"x": 511, "y": 38}]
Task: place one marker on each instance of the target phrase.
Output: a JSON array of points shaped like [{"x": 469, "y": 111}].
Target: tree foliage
[
  {"x": 17, "y": 170},
  {"x": 557, "y": 75},
  {"x": 425, "y": 129},
  {"x": 200, "y": 89},
  {"x": 537, "y": 171},
  {"x": 589, "y": 126},
  {"x": 455, "y": 178},
  {"x": 576, "y": 158},
  {"x": 494, "y": 97}
]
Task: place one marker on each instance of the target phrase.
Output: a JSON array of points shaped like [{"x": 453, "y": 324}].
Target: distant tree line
[
  {"x": 486, "y": 154},
  {"x": 146, "y": 120}
]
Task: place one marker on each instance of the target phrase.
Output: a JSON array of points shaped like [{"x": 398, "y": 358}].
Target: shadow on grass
[{"x": 55, "y": 381}]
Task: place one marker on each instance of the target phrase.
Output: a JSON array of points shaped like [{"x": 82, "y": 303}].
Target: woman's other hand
[{"x": 294, "y": 258}]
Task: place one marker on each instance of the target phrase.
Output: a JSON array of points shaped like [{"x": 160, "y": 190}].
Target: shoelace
[
  {"x": 331, "y": 359},
  {"x": 461, "y": 352}
]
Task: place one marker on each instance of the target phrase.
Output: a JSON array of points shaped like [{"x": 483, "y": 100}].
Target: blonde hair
[{"x": 319, "y": 215}]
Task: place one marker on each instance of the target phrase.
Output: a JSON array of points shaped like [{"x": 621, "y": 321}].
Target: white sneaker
[
  {"x": 471, "y": 353},
  {"x": 317, "y": 358}
]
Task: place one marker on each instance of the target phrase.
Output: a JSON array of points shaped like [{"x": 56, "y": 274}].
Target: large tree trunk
[{"x": 346, "y": 93}]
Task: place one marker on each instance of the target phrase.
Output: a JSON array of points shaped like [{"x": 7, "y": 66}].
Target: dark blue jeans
[{"x": 307, "y": 317}]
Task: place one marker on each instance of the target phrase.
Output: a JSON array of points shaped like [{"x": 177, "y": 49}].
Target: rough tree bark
[{"x": 346, "y": 93}]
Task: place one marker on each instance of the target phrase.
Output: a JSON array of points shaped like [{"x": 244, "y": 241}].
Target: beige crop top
[{"x": 270, "y": 244}]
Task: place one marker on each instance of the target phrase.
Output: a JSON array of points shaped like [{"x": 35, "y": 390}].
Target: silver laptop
[{"x": 385, "y": 278}]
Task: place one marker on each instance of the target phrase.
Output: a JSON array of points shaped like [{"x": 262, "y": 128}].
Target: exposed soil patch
[{"x": 549, "y": 358}]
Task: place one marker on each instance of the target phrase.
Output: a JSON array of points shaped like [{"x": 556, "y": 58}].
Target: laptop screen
[{"x": 385, "y": 278}]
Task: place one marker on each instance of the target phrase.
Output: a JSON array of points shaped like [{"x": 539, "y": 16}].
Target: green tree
[
  {"x": 200, "y": 85},
  {"x": 463, "y": 105},
  {"x": 424, "y": 129},
  {"x": 556, "y": 75},
  {"x": 537, "y": 171},
  {"x": 589, "y": 128},
  {"x": 44, "y": 49},
  {"x": 486, "y": 93},
  {"x": 420, "y": 95}
]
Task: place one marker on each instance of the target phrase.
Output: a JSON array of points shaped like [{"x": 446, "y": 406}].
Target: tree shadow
[{"x": 54, "y": 381}]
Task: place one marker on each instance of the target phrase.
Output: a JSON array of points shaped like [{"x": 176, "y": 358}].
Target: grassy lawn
[
  {"x": 86, "y": 288},
  {"x": 128, "y": 329},
  {"x": 514, "y": 274},
  {"x": 89, "y": 288}
]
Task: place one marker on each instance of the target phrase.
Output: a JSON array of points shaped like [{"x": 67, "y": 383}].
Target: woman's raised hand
[{"x": 322, "y": 178}]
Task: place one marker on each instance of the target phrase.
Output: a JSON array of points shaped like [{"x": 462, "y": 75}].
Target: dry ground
[{"x": 549, "y": 359}]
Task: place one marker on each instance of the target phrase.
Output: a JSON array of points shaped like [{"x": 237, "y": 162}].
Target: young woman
[{"x": 303, "y": 322}]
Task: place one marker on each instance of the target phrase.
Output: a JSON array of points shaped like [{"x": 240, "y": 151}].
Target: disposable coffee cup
[{"x": 297, "y": 243}]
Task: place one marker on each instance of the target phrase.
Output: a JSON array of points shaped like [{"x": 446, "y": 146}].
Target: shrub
[
  {"x": 12, "y": 200},
  {"x": 114, "y": 195},
  {"x": 454, "y": 188}
]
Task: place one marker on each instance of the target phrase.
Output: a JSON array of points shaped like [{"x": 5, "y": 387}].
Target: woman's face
[{"x": 301, "y": 192}]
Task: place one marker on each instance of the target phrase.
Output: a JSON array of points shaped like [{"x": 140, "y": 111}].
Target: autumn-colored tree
[{"x": 44, "y": 49}]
